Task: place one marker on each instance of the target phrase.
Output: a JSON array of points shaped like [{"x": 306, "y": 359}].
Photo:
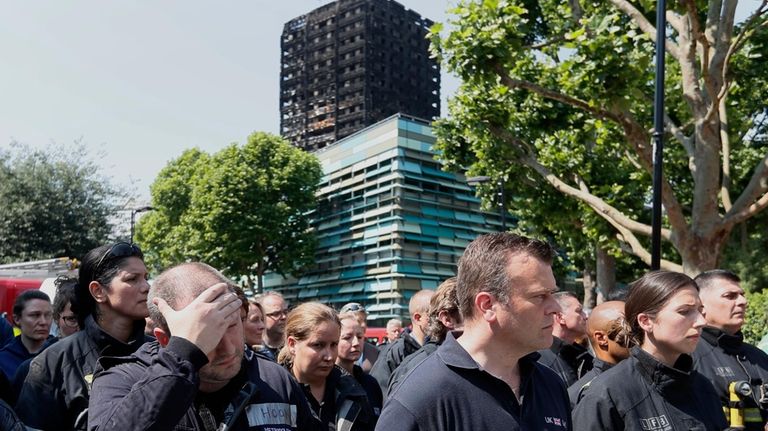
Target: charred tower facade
[{"x": 350, "y": 64}]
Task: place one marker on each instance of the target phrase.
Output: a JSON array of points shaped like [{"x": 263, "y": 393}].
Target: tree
[
  {"x": 559, "y": 95},
  {"x": 54, "y": 203},
  {"x": 243, "y": 210}
]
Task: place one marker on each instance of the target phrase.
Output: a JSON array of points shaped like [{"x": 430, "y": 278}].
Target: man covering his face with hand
[{"x": 197, "y": 375}]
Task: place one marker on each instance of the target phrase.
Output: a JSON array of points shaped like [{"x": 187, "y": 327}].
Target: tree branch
[
  {"x": 623, "y": 5},
  {"x": 602, "y": 208},
  {"x": 689, "y": 69},
  {"x": 640, "y": 141},
  {"x": 675, "y": 20},
  {"x": 735, "y": 46},
  {"x": 635, "y": 134},
  {"x": 513, "y": 84},
  {"x": 753, "y": 199},
  {"x": 715, "y": 77},
  {"x": 750, "y": 211},
  {"x": 546, "y": 43},
  {"x": 576, "y": 11},
  {"x": 638, "y": 250},
  {"x": 677, "y": 132},
  {"x": 725, "y": 194},
  {"x": 632, "y": 160}
]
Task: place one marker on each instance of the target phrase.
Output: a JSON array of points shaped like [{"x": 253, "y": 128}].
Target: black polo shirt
[{"x": 449, "y": 391}]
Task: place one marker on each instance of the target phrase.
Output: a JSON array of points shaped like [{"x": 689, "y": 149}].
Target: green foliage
[
  {"x": 54, "y": 203},
  {"x": 242, "y": 210},
  {"x": 555, "y": 97},
  {"x": 745, "y": 254},
  {"x": 756, "y": 320}
]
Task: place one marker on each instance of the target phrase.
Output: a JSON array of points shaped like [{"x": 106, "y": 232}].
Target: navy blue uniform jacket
[
  {"x": 642, "y": 394},
  {"x": 157, "y": 389}
]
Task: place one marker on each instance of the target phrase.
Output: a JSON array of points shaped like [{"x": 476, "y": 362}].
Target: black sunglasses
[
  {"x": 120, "y": 249},
  {"x": 352, "y": 307}
]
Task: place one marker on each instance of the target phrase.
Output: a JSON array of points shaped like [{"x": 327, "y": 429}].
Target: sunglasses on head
[
  {"x": 352, "y": 306},
  {"x": 120, "y": 249}
]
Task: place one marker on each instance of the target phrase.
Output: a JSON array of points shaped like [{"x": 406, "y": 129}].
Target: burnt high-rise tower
[{"x": 351, "y": 63}]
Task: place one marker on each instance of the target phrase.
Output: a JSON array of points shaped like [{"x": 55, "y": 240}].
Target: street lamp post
[
  {"x": 658, "y": 133},
  {"x": 133, "y": 217},
  {"x": 502, "y": 198}
]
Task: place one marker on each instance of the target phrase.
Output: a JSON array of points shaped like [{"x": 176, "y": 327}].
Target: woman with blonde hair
[
  {"x": 656, "y": 387},
  {"x": 351, "y": 343},
  {"x": 253, "y": 326},
  {"x": 311, "y": 346}
]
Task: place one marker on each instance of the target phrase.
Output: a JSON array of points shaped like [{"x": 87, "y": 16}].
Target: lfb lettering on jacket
[
  {"x": 724, "y": 372},
  {"x": 272, "y": 414},
  {"x": 658, "y": 423}
]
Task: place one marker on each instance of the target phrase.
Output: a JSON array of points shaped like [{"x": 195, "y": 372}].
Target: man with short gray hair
[
  {"x": 394, "y": 328},
  {"x": 197, "y": 375}
]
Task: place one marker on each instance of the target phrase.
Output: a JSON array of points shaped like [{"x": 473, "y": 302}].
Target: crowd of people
[{"x": 496, "y": 347}]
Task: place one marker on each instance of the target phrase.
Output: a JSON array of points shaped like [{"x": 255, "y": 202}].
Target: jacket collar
[
  {"x": 108, "y": 345},
  {"x": 601, "y": 364},
  {"x": 570, "y": 352},
  {"x": 717, "y": 337},
  {"x": 411, "y": 340},
  {"x": 667, "y": 380}
]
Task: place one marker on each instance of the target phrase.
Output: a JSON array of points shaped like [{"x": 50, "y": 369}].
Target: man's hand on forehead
[{"x": 204, "y": 320}]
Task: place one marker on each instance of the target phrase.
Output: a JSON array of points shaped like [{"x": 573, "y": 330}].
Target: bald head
[
  {"x": 180, "y": 285},
  {"x": 604, "y": 316},
  {"x": 420, "y": 302},
  {"x": 602, "y": 328},
  {"x": 418, "y": 308}
]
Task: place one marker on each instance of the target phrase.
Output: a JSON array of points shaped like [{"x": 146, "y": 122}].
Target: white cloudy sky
[{"x": 140, "y": 81}]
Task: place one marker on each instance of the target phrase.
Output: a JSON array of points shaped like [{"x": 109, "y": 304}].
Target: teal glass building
[{"x": 389, "y": 221}]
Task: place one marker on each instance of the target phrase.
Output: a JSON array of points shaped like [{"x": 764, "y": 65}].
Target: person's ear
[
  {"x": 97, "y": 291},
  {"x": 291, "y": 343},
  {"x": 16, "y": 319},
  {"x": 484, "y": 304},
  {"x": 646, "y": 322},
  {"x": 417, "y": 317},
  {"x": 446, "y": 320},
  {"x": 601, "y": 338},
  {"x": 161, "y": 336},
  {"x": 559, "y": 319}
]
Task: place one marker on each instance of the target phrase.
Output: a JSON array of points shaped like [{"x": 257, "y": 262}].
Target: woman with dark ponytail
[
  {"x": 655, "y": 388},
  {"x": 111, "y": 304}
]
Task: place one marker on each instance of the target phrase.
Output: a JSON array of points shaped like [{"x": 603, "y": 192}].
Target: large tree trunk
[
  {"x": 703, "y": 252},
  {"x": 588, "y": 280},
  {"x": 260, "y": 278},
  {"x": 606, "y": 274},
  {"x": 249, "y": 285}
]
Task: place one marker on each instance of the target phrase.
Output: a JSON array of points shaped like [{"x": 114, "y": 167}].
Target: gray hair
[{"x": 186, "y": 280}]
